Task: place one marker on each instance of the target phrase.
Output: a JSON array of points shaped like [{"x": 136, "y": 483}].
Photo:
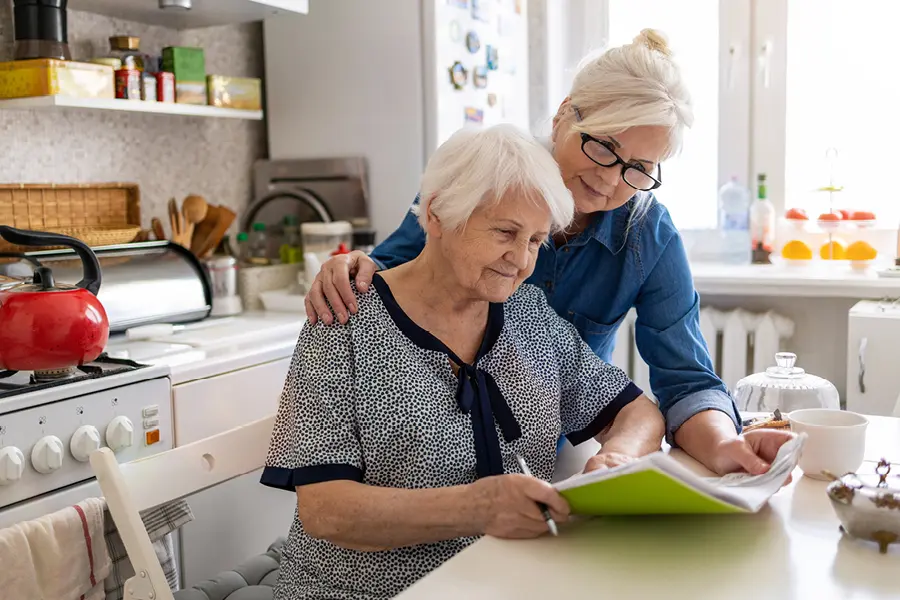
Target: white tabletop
[{"x": 792, "y": 549}]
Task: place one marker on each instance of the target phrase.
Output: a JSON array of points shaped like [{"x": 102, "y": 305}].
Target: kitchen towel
[
  {"x": 160, "y": 522},
  {"x": 61, "y": 555}
]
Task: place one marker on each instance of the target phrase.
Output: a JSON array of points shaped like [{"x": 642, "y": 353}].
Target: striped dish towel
[{"x": 160, "y": 522}]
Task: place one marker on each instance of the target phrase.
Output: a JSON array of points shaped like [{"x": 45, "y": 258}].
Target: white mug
[{"x": 836, "y": 440}]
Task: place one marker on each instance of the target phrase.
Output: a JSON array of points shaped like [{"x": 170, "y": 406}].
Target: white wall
[{"x": 379, "y": 91}]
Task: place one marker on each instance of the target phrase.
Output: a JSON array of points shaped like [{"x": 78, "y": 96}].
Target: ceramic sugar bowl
[{"x": 869, "y": 505}]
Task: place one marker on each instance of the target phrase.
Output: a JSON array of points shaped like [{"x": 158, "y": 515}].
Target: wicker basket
[{"x": 98, "y": 214}]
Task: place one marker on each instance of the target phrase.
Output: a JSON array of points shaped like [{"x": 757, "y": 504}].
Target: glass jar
[
  {"x": 126, "y": 48},
  {"x": 322, "y": 239},
  {"x": 258, "y": 245},
  {"x": 785, "y": 387}
]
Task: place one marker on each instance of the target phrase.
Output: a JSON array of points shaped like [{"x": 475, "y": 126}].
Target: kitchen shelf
[
  {"x": 162, "y": 108},
  {"x": 204, "y": 13}
]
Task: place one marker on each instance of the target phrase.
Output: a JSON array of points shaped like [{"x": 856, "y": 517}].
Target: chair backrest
[{"x": 132, "y": 487}]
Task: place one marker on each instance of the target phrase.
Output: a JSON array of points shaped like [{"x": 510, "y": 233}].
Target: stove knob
[
  {"x": 47, "y": 454},
  {"x": 120, "y": 434},
  {"x": 12, "y": 464},
  {"x": 85, "y": 440}
]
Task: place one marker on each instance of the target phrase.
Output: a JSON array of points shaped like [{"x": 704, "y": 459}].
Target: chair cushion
[{"x": 252, "y": 580}]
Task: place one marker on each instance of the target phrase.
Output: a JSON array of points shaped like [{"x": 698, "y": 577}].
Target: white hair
[
  {"x": 476, "y": 166},
  {"x": 633, "y": 85}
]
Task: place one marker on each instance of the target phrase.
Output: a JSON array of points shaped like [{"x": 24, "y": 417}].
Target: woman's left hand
[
  {"x": 606, "y": 460},
  {"x": 753, "y": 451}
]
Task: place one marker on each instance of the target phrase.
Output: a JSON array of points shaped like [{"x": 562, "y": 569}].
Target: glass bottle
[
  {"x": 762, "y": 224},
  {"x": 291, "y": 249}
]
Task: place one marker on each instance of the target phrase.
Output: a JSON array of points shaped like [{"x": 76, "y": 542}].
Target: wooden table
[{"x": 791, "y": 549}]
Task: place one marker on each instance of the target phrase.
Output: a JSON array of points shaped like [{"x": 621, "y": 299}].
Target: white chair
[{"x": 132, "y": 487}]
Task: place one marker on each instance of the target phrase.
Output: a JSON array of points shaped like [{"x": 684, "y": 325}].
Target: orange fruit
[
  {"x": 862, "y": 215},
  {"x": 830, "y": 216},
  {"x": 797, "y": 250},
  {"x": 833, "y": 250},
  {"x": 796, "y": 214},
  {"x": 861, "y": 251}
]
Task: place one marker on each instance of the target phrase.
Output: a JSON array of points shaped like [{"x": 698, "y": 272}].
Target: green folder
[
  {"x": 658, "y": 484},
  {"x": 649, "y": 492}
]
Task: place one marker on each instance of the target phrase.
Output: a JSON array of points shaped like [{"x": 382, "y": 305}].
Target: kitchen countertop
[
  {"x": 813, "y": 280},
  {"x": 251, "y": 338},
  {"x": 790, "y": 550}
]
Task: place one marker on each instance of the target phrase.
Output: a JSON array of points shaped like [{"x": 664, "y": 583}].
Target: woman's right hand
[
  {"x": 332, "y": 283},
  {"x": 508, "y": 505}
]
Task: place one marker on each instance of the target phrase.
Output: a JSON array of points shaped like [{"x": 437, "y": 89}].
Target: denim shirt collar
[{"x": 610, "y": 228}]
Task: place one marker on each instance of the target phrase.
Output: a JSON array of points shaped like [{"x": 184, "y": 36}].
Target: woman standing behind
[{"x": 625, "y": 115}]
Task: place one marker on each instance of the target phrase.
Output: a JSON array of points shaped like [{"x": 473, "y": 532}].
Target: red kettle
[{"x": 51, "y": 327}]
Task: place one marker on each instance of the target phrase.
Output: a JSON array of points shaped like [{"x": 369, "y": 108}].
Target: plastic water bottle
[{"x": 734, "y": 222}]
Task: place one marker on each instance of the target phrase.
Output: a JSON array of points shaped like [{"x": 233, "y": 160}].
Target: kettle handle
[{"x": 89, "y": 263}]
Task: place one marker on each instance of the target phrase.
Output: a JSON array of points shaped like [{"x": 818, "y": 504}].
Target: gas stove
[
  {"x": 21, "y": 382},
  {"x": 50, "y": 423}
]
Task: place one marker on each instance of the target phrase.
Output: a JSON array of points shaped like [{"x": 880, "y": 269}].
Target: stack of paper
[{"x": 658, "y": 484}]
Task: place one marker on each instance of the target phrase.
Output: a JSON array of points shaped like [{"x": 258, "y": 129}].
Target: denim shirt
[{"x": 596, "y": 278}]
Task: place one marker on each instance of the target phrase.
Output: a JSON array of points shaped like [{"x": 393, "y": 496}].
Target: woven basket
[{"x": 98, "y": 214}]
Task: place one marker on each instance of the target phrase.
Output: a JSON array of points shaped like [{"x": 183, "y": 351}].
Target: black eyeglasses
[{"x": 602, "y": 153}]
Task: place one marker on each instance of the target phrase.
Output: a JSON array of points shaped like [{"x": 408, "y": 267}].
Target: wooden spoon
[
  {"x": 158, "y": 231},
  {"x": 194, "y": 209}
]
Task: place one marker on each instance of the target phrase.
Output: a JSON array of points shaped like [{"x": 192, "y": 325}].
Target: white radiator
[{"x": 740, "y": 343}]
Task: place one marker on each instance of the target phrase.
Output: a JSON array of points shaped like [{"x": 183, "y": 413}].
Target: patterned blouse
[{"x": 377, "y": 401}]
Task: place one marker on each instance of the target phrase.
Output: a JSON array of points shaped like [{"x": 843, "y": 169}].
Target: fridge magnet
[
  {"x": 479, "y": 10},
  {"x": 492, "y": 59},
  {"x": 492, "y": 99},
  {"x": 479, "y": 77},
  {"x": 455, "y": 31},
  {"x": 458, "y": 75},
  {"x": 474, "y": 115},
  {"x": 473, "y": 42},
  {"x": 459, "y": 3}
]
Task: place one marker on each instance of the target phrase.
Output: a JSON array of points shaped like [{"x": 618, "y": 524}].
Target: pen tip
[{"x": 552, "y": 526}]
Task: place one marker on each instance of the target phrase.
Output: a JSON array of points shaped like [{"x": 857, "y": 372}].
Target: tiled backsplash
[{"x": 168, "y": 156}]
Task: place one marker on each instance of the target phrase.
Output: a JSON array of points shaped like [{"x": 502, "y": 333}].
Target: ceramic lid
[{"x": 883, "y": 489}]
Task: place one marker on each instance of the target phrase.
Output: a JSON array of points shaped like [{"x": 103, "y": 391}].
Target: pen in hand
[{"x": 551, "y": 524}]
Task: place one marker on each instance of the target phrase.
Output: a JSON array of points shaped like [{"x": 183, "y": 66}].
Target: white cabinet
[
  {"x": 238, "y": 519},
  {"x": 873, "y": 357},
  {"x": 203, "y": 13}
]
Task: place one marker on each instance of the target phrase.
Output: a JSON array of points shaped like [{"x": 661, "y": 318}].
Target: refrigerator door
[{"x": 478, "y": 69}]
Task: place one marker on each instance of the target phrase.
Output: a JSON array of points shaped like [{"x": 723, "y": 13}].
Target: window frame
[{"x": 576, "y": 27}]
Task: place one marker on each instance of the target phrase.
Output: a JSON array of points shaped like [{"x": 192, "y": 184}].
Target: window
[
  {"x": 842, "y": 95},
  {"x": 717, "y": 73},
  {"x": 690, "y": 179}
]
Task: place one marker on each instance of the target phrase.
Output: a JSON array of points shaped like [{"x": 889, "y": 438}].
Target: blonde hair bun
[{"x": 654, "y": 40}]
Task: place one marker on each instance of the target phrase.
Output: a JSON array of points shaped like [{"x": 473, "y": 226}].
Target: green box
[{"x": 189, "y": 67}]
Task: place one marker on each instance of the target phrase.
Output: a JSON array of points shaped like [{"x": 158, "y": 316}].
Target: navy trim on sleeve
[
  {"x": 606, "y": 416},
  {"x": 288, "y": 479}
]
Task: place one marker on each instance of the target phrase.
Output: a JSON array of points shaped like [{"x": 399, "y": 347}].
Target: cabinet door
[
  {"x": 873, "y": 378},
  {"x": 240, "y": 518}
]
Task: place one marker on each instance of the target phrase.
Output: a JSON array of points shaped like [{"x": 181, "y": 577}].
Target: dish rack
[{"x": 99, "y": 214}]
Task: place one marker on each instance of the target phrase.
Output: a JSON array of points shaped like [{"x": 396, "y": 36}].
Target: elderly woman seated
[{"x": 400, "y": 430}]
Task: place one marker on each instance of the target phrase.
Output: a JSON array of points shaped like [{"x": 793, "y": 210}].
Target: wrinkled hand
[
  {"x": 508, "y": 505},
  {"x": 606, "y": 460},
  {"x": 332, "y": 283},
  {"x": 752, "y": 452}
]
